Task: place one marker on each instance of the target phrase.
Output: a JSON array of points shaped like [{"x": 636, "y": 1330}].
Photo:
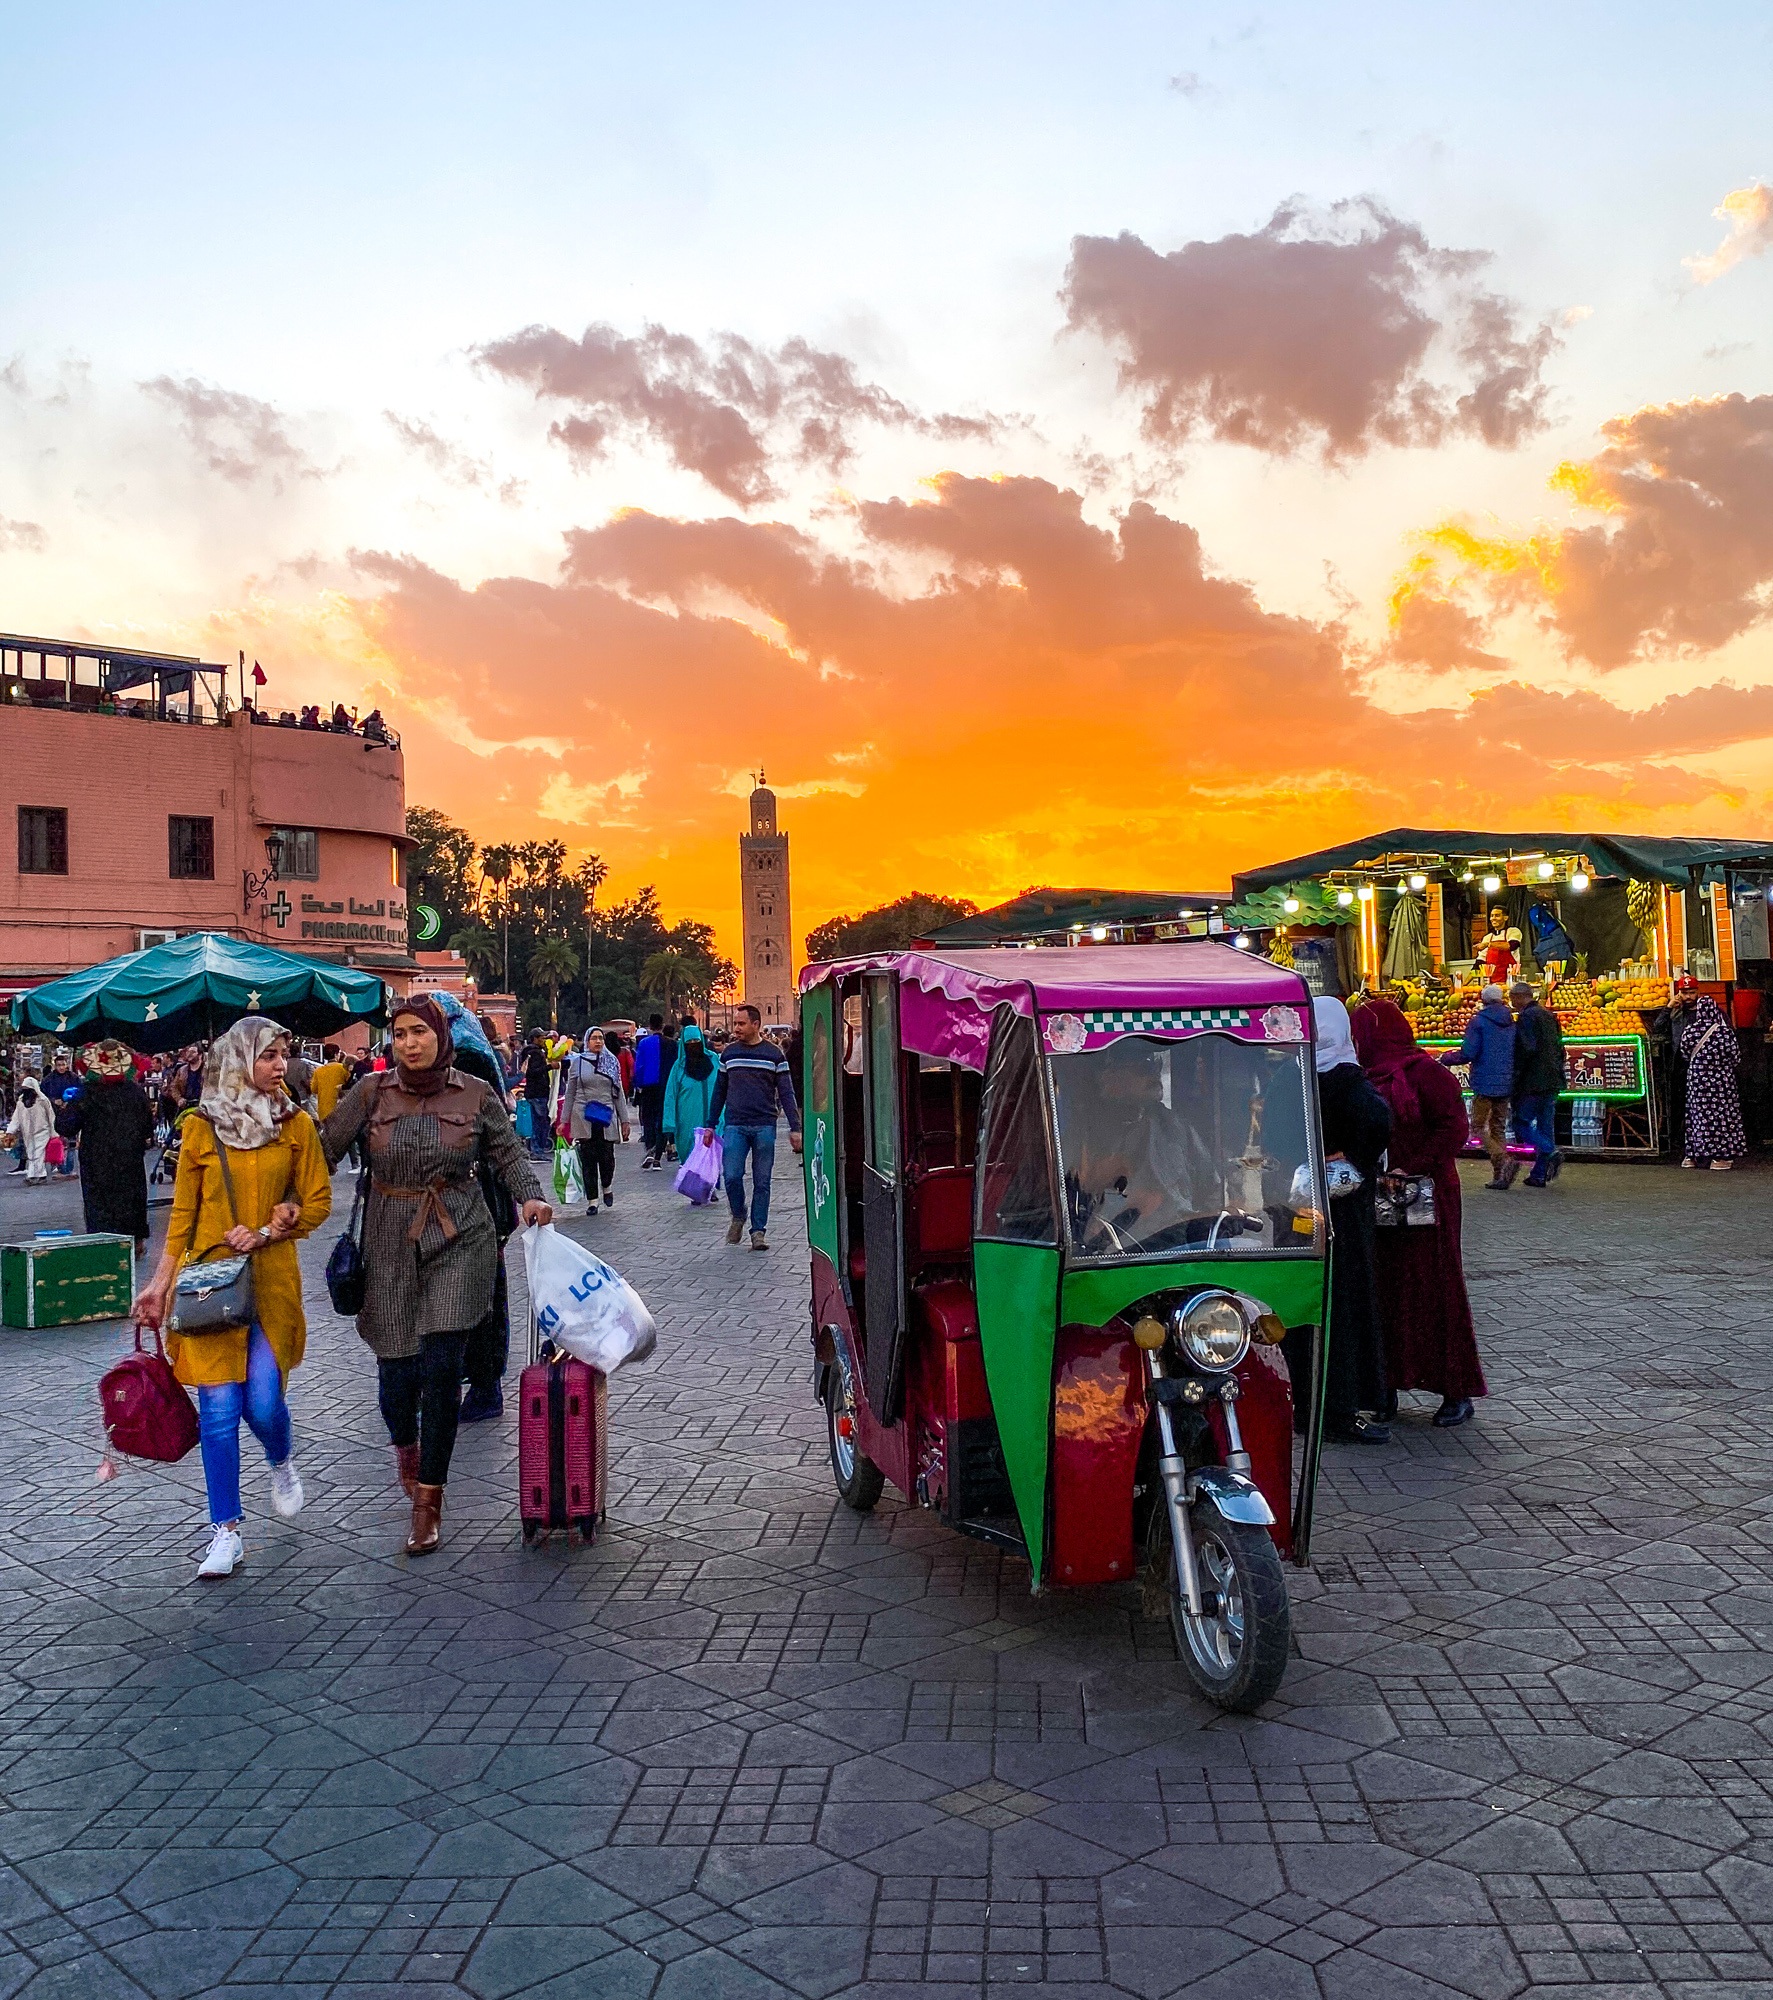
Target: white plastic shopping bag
[
  {"x": 699, "y": 1175},
  {"x": 587, "y": 1309},
  {"x": 569, "y": 1182}
]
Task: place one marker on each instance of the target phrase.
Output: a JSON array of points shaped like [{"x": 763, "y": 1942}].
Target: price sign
[{"x": 1604, "y": 1069}]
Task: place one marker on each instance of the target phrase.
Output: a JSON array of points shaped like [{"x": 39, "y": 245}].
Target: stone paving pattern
[{"x": 755, "y": 1745}]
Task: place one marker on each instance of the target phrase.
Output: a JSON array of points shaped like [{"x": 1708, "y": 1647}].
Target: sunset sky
[{"x": 1080, "y": 444}]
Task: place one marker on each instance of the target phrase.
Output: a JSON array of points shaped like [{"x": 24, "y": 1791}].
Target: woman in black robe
[
  {"x": 110, "y": 1116},
  {"x": 1356, "y": 1127}
]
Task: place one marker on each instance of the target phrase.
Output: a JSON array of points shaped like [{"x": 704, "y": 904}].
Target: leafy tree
[
  {"x": 551, "y": 965},
  {"x": 891, "y": 927},
  {"x": 496, "y": 864},
  {"x": 480, "y": 947},
  {"x": 671, "y": 977},
  {"x": 440, "y": 868}
]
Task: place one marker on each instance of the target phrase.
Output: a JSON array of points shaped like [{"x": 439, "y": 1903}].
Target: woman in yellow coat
[{"x": 282, "y": 1191}]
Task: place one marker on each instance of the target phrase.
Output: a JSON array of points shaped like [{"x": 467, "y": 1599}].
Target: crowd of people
[
  {"x": 252, "y": 1131},
  {"x": 677, "y": 1086}
]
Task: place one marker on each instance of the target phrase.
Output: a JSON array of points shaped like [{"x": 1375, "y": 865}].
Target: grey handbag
[
  {"x": 1404, "y": 1201},
  {"x": 215, "y": 1295}
]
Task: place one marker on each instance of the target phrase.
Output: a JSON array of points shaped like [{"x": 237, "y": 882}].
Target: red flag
[{"x": 258, "y": 675}]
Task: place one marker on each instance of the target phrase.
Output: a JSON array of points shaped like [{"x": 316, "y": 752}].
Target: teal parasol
[{"x": 192, "y": 988}]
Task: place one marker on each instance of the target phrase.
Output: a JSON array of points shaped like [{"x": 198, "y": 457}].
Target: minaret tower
[{"x": 763, "y": 889}]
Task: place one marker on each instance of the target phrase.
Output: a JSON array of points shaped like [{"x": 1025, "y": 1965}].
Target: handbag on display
[
  {"x": 1343, "y": 1177},
  {"x": 215, "y": 1295},
  {"x": 1404, "y": 1201},
  {"x": 347, "y": 1276},
  {"x": 144, "y": 1408}
]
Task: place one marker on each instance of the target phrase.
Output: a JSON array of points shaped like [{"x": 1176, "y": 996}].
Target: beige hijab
[{"x": 244, "y": 1116}]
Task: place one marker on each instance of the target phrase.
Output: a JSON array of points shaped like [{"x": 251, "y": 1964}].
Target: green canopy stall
[{"x": 193, "y": 987}]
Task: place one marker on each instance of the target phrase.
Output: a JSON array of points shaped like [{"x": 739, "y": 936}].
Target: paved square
[{"x": 755, "y": 1745}]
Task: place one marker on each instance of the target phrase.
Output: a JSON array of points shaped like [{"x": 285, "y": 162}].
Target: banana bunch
[{"x": 1643, "y": 904}]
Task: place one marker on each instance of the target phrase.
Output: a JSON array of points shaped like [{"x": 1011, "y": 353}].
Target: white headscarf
[
  {"x": 1335, "y": 1035},
  {"x": 244, "y": 1116}
]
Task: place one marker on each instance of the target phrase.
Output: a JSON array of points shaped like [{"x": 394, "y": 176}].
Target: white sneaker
[
  {"x": 286, "y": 1490},
  {"x": 226, "y": 1552}
]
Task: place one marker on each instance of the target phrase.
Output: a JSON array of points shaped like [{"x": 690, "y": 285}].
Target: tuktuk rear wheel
[
  {"x": 1235, "y": 1652},
  {"x": 859, "y": 1480}
]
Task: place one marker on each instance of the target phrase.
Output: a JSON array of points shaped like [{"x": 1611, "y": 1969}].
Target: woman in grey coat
[
  {"x": 430, "y": 1250},
  {"x": 592, "y": 1111}
]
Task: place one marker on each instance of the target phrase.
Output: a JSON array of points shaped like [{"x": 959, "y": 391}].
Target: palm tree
[
  {"x": 480, "y": 948},
  {"x": 671, "y": 977},
  {"x": 495, "y": 866},
  {"x": 552, "y": 964},
  {"x": 588, "y": 878}
]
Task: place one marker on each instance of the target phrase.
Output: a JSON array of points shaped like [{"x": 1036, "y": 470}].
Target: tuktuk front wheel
[
  {"x": 859, "y": 1480},
  {"x": 1236, "y": 1651}
]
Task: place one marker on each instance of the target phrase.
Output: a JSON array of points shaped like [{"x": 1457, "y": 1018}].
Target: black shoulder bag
[{"x": 347, "y": 1276}]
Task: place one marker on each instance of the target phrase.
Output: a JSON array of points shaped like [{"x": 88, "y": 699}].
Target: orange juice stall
[{"x": 1600, "y": 925}]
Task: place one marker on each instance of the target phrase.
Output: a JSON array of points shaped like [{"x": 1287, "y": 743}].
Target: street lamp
[{"x": 256, "y": 885}]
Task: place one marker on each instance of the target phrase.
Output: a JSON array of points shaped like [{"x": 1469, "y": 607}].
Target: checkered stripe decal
[{"x": 1129, "y": 1020}]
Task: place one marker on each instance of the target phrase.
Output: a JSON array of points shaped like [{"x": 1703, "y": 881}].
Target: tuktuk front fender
[{"x": 1237, "y": 1498}]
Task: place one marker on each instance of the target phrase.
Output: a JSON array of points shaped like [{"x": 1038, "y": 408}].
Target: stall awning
[{"x": 1629, "y": 857}]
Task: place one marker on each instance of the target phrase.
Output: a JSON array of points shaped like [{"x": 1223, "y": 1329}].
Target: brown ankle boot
[
  {"x": 427, "y": 1517},
  {"x": 406, "y": 1462}
]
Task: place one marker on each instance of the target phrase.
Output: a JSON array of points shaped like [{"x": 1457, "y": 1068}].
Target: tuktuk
[{"x": 1065, "y": 1207}]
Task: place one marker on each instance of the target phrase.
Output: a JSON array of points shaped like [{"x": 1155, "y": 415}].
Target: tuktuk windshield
[{"x": 1201, "y": 1145}]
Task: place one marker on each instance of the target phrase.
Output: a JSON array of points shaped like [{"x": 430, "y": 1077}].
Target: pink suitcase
[{"x": 562, "y": 1446}]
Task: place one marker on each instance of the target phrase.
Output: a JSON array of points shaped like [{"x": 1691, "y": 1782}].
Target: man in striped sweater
[{"x": 755, "y": 1085}]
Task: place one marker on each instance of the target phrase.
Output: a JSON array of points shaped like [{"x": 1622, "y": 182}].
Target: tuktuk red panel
[{"x": 1098, "y": 1421}]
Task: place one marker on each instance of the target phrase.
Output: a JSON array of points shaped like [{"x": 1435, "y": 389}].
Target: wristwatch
[{"x": 265, "y": 1232}]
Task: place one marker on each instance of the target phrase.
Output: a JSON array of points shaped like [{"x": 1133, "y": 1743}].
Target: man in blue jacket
[{"x": 1488, "y": 1049}]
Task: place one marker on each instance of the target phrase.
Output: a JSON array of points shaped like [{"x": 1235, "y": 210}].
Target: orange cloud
[
  {"x": 1749, "y": 212},
  {"x": 990, "y": 690},
  {"x": 1682, "y": 564}
]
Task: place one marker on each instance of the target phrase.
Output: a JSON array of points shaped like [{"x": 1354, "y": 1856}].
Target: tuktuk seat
[{"x": 939, "y": 1221}]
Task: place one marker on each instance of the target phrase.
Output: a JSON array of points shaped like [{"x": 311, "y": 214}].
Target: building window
[
  {"x": 300, "y": 859},
  {"x": 42, "y": 840},
  {"x": 396, "y": 873},
  {"x": 190, "y": 848}
]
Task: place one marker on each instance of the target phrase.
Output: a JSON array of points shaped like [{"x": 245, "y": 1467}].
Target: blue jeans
[
  {"x": 219, "y": 1410},
  {"x": 1534, "y": 1125},
  {"x": 760, "y": 1142}
]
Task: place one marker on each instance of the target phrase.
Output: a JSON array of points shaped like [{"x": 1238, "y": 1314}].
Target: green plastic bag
[{"x": 569, "y": 1183}]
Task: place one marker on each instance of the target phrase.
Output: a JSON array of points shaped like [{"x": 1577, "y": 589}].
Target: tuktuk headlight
[{"x": 1212, "y": 1331}]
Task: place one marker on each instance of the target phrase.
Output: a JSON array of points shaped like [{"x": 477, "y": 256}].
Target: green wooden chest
[{"x": 57, "y": 1280}]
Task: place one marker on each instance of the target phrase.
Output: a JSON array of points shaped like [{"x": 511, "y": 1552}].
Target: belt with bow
[{"x": 431, "y": 1206}]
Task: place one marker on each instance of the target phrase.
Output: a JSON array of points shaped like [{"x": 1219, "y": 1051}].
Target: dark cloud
[
  {"x": 1683, "y": 561},
  {"x": 239, "y": 437},
  {"x": 24, "y": 536},
  {"x": 1343, "y": 329},
  {"x": 731, "y": 411}
]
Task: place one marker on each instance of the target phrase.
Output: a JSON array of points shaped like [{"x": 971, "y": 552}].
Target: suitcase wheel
[{"x": 533, "y": 1536}]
